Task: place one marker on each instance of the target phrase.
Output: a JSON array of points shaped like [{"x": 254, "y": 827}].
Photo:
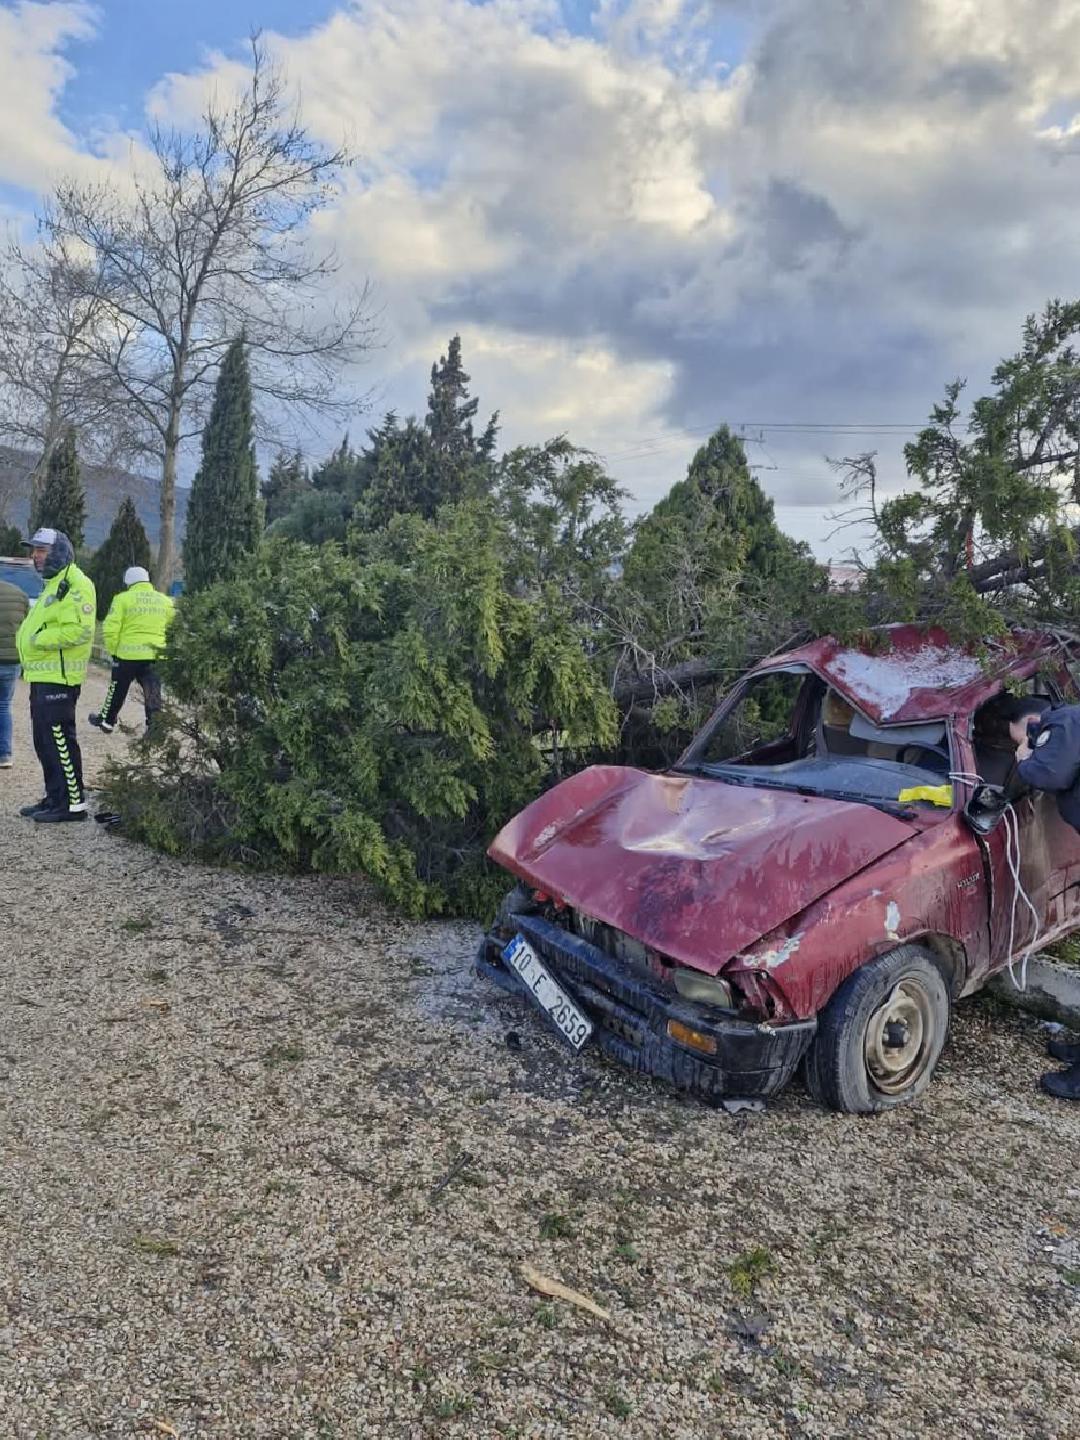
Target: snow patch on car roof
[{"x": 887, "y": 680}]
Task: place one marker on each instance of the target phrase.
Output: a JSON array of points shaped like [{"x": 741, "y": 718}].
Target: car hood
[{"x": 696, "y": 868}]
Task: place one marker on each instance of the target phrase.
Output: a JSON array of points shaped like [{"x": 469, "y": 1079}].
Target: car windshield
[{"x": 788, "y": 729}]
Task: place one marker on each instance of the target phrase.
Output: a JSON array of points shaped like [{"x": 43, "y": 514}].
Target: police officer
[
  {"x": 1047, "y": 740},
  {"x": 54, "y": 644},
  {"x": 134, "y": 635}
]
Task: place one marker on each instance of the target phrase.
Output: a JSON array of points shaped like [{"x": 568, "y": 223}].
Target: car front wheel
[{"x": 880, "y": 1036}]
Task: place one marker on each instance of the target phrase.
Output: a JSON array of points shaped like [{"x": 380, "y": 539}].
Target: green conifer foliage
[
  {"x": 125, "y": 545},
  {"x": 287, "y": 482},
  {"x": 413, "y": 468},
  {"x": 62, "y": 502},
  {"x": 224, "y": 520}
]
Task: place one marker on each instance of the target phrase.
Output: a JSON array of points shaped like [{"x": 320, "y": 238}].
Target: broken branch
[{"x": 555, "y": 1290}]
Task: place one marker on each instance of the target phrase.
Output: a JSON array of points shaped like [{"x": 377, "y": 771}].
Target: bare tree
[
  {"x": 215, "y": 243},
  {"x": 48, "y": 381}
]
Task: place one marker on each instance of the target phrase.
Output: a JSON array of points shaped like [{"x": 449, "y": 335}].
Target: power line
[
  {"x": 885, "y": 427},
  {"x": 650, "y": 445}
]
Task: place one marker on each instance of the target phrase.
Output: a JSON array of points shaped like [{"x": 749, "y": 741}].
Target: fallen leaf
[
  {"x": 164, "y": 1428},
  {"x": 554, "y": 1290}
]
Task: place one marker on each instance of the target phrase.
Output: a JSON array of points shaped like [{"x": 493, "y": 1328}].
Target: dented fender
[{"x": 920, "y": 892}]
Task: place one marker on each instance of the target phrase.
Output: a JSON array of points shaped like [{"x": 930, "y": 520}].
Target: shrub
[{"x": 378, "y": 709}]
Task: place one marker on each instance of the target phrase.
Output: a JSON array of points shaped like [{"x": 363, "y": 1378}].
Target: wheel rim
[{"x": 899, "y": 1038}]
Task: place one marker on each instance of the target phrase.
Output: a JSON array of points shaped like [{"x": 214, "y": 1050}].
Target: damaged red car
[{"x": 840, "y": 855}]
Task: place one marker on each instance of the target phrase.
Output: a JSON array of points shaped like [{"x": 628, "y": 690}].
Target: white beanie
[{"x": 134, "y": 573}]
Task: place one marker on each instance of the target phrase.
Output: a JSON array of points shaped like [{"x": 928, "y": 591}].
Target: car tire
[{"x": 880, "y": 1036}]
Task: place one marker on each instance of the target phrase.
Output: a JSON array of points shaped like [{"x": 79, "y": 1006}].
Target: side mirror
[{"x": 986, "y": 808}]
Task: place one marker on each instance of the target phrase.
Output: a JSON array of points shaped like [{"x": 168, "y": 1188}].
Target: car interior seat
[
  {"x": 834, "y": 735},
  {"x": 842, "y": 730}
]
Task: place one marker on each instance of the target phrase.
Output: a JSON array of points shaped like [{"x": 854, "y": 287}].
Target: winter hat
[
  {"x": 134, "y": 573},
  {"x": 61, "y": 552}
]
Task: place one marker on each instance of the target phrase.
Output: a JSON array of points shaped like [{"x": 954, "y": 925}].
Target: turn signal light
[{"x": 694, "y": 1039}]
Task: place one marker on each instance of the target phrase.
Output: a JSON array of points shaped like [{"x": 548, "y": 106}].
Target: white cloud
[
  {"x": 637, "y": 240},
  {"x": 549, "y": 387},
  {"x": 33, "y": 72}
]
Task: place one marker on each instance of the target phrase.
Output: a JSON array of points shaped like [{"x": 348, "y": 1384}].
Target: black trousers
[
  {"x": 52, "y": 720},
  {"x": 123, "y": 673}
]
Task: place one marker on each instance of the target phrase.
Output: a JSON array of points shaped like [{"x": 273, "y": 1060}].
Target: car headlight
[{"x": 704, "y": 989}]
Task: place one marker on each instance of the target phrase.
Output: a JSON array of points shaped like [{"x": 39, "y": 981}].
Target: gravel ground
[{"x": 229, "y": 1108}]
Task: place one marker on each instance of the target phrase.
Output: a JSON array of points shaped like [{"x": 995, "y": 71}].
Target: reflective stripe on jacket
[
  {"x": 135, "y": 626},
  {"x": 55, "y": 639}
]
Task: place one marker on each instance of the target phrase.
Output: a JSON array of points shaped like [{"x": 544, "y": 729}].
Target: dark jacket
[
  {"x": 1054, "y": 762},
  {"x": 13, "y": 609}
]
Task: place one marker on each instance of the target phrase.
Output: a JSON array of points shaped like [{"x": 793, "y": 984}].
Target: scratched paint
[
  {"x": 718, "y": 876},
  {"x": 696, "y": 869},
  {"x": 773, "y": 959},
  {"x": 892, "y": 920}
]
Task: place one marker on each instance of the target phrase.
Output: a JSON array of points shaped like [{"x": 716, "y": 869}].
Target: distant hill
[{"x": 105, "y": 488}]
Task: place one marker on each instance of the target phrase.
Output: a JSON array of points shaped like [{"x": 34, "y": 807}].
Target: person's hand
[{"x": 1023, "y": 751}]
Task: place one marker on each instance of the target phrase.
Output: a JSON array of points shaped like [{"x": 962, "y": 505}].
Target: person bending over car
[{"x": 1047, "y": 740}]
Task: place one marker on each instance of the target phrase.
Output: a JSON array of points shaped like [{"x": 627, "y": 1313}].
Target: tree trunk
[
  {"x": 37, "y": 485},
  {"x": 41, "y": 469},
  {"x": 167, "y": 536},
  {"x": 649, "y": 687}
]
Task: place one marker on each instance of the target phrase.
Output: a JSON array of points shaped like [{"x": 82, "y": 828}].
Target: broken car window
[
  {"x": 761, "y": 729},
  {"x": 787, "y": 729}
]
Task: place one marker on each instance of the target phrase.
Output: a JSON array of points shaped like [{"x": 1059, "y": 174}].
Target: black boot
[
  {"x": 1064, "y": 1084},
  {"x": 30, "y": 810},
  {"x": 1064, "y": 1050},
  {"x": 58, "y": 817},
  {"x": 100, "y": 724}
]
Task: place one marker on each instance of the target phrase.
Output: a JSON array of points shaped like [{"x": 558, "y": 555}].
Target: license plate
[{"x": 547, "y": 992}]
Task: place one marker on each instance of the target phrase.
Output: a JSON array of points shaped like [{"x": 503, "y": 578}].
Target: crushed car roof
[{"x": 917, "y": 674}]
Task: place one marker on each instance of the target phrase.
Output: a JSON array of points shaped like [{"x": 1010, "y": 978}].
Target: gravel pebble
[{"x": 228, "y": 1102}]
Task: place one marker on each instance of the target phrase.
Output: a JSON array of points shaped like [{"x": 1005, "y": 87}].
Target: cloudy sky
[{"x": 643, "y": 216}]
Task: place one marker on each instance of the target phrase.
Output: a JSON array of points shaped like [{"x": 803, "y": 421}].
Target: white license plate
[{"x": 547, "y": 992}]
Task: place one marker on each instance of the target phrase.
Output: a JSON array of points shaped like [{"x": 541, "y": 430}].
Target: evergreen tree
[
  {"x": 62, "y": 502},
  {"x": 414, "y": 469},
  {"x": 125, "y": 545},
  {"x": 709, "y": 548},
  {"x": 564, "y": 520},
  {"x": 408, "y": 467},
  {"x": 711, "y": 581},
  {"x": 287, "y": 482},
  {"x": 338, "y": 473},
  {"x": 451, "y": 411},
  {"x": 11, "y": 539},
  {"x": 223, "y": 520},
  {"x": 988, "y": 537},
  {"x": 321, "y": 511}
]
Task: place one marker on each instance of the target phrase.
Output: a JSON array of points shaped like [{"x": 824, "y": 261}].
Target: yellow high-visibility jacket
[
  {"x": 55, "y": 639},
  {"x": 135, "y": 626}
]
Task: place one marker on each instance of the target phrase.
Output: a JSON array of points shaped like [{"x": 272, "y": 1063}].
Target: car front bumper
[{"x": 631, "y": 1018}]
